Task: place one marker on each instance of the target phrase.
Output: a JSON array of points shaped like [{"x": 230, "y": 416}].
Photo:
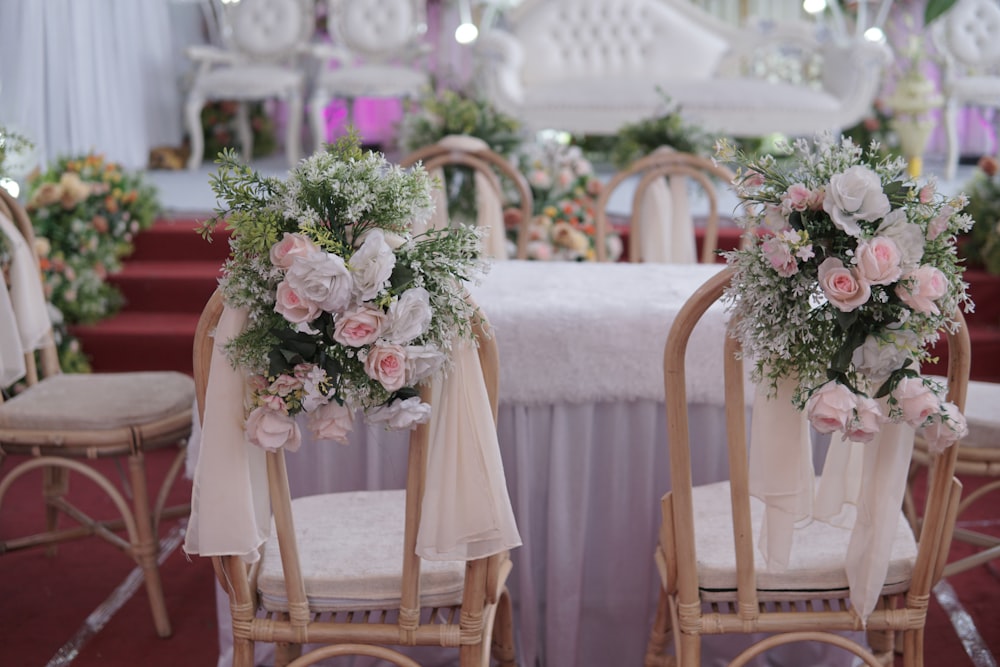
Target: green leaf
[
  {"x": 846, "y": 320},
  {"x": 936, "y": 8}
]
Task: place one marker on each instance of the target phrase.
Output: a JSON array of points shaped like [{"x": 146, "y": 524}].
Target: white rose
[
  {"x": 876, "y": 359},
  {"x": 854, "y": 195},
  {"x": 421, "y": 361},
  {"x": 323, "y": 278},
  {"x": 409, "y": 316},
  {"x": 400, "y": 415},
  {"x": 372, "y": 265},
  {"x": 907, "y": 236}
]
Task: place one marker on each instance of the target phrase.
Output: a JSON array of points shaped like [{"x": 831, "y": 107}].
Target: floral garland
[
  {"x": 565, "y": 192},
  {"x": 982, "y": 246},
  {"x": 347, "y": 309},
  {"x": 850, "y": 273}
]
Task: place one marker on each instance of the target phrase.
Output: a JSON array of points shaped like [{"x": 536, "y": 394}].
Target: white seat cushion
[
  {"x": 249, "y": 81},
  {"x": 816, "y": 564},
  {"x": 372, "y": 81},
  {"x": 982, "y": 412},
  {"x": 99, "y": 401},
  {"x": 351, "y": 553}
]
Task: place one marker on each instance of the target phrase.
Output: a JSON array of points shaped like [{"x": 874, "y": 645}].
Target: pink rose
[
  {"x": 940, "y": 223},
  {"x": 920, "y": 288},
  {"x": 842, "y": 287},
  {"x": 867, "y": 420},
  {"x": 780, "y": 256},
  {"x": 387, "y": 365},
  {"x": 945, "y": 428},
  {"x": 878, "y": 260},
  {"x": 916, "y": 401},
  {"x": 284, "y": 252},
  {"x": 293, "y": 308},
  {"x": 332, "y": 421},
  {"x": 272, "y": 430},
  {"x": 926, "y": 194},
  {"x": 797, "y": 198},
  {"x": 283, "y": 385},
  {"x": 831, "y": 407},
  {"x": 359, "y": 327}
]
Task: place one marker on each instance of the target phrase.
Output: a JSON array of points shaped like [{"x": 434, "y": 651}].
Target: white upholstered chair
[
  {"x": 966, "y": 39},
  {"x": 263, "y": 41},
  {"x": 379, "y": 52}
]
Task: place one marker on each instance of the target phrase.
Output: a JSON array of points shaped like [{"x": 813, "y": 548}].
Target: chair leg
[
  {"x": 55, "y": 485},
  {"x": 951, "y": 138},
  {"x": 146, "y": 547},
  {"x": 504, "y": 651},
  {"x": 243, "y": 131},
  {"x": 660, "y": 635},
  {"x": 293, "y": 133},
  {"x": 192, "y": 115},
  {"x": 317, "y": 119}
]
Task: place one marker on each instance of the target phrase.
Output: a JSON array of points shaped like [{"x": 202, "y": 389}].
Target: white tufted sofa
[{"x": 590, "y": 66}]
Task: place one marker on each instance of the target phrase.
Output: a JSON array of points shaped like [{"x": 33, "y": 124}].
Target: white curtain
[{"x": 81, "y": 75}]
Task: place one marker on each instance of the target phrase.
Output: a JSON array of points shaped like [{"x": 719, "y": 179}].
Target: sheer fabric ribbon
[
  {"x": 666, "y": 227},
  {"x": 24, "y": 320}
]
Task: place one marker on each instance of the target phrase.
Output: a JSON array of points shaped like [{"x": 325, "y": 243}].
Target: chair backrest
[
  {"x": 664, "y": 163},
  {"x": 488, "y": 163},
  {"x": 267, "y": 30},
  {"x": 943, "y": 490},
  {"x": 482, "y": 574},
  {"x": 48, "y": 356},
  {"x": 377, "y": 30},
  {"x": 966, "y": 37}
]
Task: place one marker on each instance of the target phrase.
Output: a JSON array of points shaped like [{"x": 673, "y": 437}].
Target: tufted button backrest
[
  {"x": 376, "y": 29},
  {"x": 970, "y": 32},
  {"x": 268, "y": 29},
  {"x": 588, "y": 39}
]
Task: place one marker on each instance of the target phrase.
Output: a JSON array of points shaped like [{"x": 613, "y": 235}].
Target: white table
[{"x": 582, "y": 431}]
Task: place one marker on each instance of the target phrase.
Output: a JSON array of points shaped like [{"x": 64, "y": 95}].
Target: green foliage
[
  {"x": 218, "y": 121},
  {"x": 10, "y": 142},
  {"x": 982, "y": 245}
]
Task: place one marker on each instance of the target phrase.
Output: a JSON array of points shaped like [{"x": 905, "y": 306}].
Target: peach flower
[{"x": 842, "y": 286}]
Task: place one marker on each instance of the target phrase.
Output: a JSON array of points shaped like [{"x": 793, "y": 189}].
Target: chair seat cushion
[
  {"x": 981, "y": 405},
  {"x": 351, "y": 553},
  {"x": 98, "y": 401},
  {"x": 371, "y": 81},
  {"x": 249, "y": 81},
  {"x": 973, "y": 89},
  {"x": 816, "y": 564}
]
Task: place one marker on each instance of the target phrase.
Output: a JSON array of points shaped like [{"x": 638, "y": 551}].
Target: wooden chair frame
[
  {"x": 482, "y": 621},
  {"x": 662, "y": 164},
  {"x": 489, "y": 163},
  {"x": 682, "y": 610},
  {"x": 59, "y": 452}
]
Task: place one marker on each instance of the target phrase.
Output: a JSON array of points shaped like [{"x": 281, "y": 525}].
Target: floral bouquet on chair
[
  {"x": 565, "y": 191},
  {"x": 347, "y": 308},
  {"x": 849, "y": 273}
]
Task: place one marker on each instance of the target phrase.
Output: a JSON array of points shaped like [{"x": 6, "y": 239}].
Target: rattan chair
[
  {"x": 665, "y": 163},
  {"x": 327, "y": 551},
  {"x": 451, "y": 152},
  {"x": 978, "y": 456},
  {"x": 802, "y": 609},
  {"x": 62, "y": 422}
]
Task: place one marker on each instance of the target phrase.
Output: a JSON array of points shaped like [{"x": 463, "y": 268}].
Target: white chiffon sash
[
  {"x": 489, "y": 203},
  {"x": 666, "y": 227},
  {"x": 861, "y": 488},
  {"x": 466, "y": 510},
  {"x": 25, "y": 321}
]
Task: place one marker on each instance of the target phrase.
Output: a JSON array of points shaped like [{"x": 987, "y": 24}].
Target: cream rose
[
  {"x": 907, "y": 236},
  {"x": 421, "y": 362},
  {"x": 409, "y": 316},
  {"x": 400, "y": 415},
  {"x": 842, "y": 287},
  {"x": 878, "y": 260},
  {"x": 876, "y": 359},
  {"x": 331, "y": 421},
  {"x": 387, "y": 365},
  {"x": 272, "y": 430},
  {"x": 916, "y": 401},
  {"x": 321, "y": 278},
  {"x": 359, "y": 327},
  {"x": 284, "y": 252},
  {"x": 371, "y": 265},
  {"x": 854, "y": 195},
  {"x": 292, "y": 307},
  {"x": 921, "y": 288},
  {"x": 831, "y": 407}
]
